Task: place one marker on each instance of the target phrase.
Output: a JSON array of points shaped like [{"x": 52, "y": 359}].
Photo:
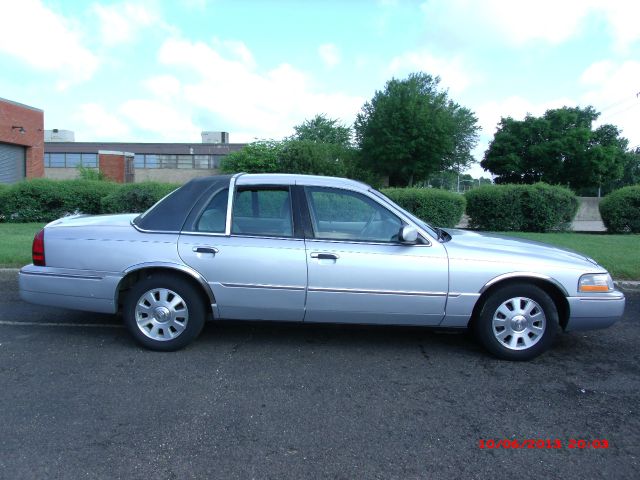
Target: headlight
[{"x": 595, "y": 282}]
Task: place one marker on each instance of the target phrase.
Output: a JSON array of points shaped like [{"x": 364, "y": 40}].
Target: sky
[{"x": 145, "y": 70}]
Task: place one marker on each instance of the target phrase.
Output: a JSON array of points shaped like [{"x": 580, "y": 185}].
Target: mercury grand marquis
[{"x": 311, "y": 249}]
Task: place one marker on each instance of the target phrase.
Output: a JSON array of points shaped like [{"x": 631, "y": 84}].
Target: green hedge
[
  {"x": 437, "y": 207},
  {"x": 528, "y": 208},
  {"x": 620, "y": 210},
  {"x": 136, "y": 197},
  {"x": 44, "y": 200}
]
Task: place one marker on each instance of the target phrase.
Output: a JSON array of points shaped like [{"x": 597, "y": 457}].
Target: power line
[
  {"x": 622, "y": 111},
  {"x": 626, "y": 108}
]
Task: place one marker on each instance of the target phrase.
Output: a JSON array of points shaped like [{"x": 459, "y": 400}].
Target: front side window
[
  {"x": 343, "y": 215},
  {"x": 263, "y": 211}
]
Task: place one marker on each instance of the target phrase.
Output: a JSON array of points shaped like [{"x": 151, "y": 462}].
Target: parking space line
[{"x": 54, "y": 324}]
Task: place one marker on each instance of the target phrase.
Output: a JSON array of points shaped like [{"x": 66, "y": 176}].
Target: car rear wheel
[
  {"x": 517, "y": 322},
  {"x": 163, "y": 312}
]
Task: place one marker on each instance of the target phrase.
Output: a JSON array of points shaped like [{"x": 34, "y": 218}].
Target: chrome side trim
[
  {"x": 377, "y": 292},
  {"x": 232, "y": 190},
  {"x": 242, "y": 235},
  {"x": 356, "y": 242},
  {"x": 63, "y": 275},
  {"x": 535, "y": 275},
  {"x": 610, "y": 298},
  {"x": 205, "y": 234},
  {"x": 172, "y": 266},
  {"x": 260, "y": 285}
]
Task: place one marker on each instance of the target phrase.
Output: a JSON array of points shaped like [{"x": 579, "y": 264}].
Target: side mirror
[{"x": 408, "y": 234}]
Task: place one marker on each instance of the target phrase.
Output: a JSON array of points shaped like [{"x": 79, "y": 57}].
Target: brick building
[{"x": 21, "y": 141}]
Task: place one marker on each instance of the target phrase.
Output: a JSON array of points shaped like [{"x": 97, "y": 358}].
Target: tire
[
  {"x": 517, "y": 322},
  {"x": 164, "y": 312}
]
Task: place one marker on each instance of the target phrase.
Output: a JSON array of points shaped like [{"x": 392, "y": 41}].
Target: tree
[
  {"x": 412, "y": 129},
  {"x": 316, "y": 158},
  {"x": 321, "y": 129},
  {"x": 321, "y": 146},
  {"x": 256, "y": 157},
  {"x": 561, "y": 147}
]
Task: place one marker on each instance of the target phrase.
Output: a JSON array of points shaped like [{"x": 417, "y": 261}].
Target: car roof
[{"x": 296, "y": 179}]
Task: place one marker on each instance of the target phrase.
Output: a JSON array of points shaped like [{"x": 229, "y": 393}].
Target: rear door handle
[
  {"x": 211, "y": 250},
  {"x": 325, "y": 256}
]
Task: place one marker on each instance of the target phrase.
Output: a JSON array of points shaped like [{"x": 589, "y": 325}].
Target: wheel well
[
  {"x": 549, "y": 288},
  {"x": 132, "y": 278}
]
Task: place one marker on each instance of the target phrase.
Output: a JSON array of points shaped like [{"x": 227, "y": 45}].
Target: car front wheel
[
  {"x": 163, "y": 312},
  {"x": 517, "y": 322}
]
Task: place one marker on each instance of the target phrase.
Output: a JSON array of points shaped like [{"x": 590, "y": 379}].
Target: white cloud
[
  {"x": 548, "y": 20},
  {"x": 622, "y": 16},
  {"x": 264, "y": 104},
  {"x": 611, "y": 87},
  {"x": 237, "y": 49},
  {"x": 95, "y": 123},
  {"x": 163, "y": 86},
  {"x": 516, "y": 21},
  {"x": 526, "y": 21},
  {"x": 46, "y": 41},
  {"x": 452, "y": 71},
  {"x": 330, "y": 54},
  {"x": 120, "y": 22},
  {"x": 172, "y": 123},
  {"x": 490, "y": 113}
]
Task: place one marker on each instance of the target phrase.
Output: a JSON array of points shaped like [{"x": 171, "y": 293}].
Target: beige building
[{"x": 162, "y": 162}]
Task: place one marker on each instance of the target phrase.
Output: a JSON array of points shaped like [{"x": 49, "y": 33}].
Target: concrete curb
[{"x": 628, "y": 285}]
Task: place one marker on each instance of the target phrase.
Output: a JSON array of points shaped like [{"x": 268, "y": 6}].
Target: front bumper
[
  {"x": 69, "y": 288},
  {"x": 593, "y": 312}
]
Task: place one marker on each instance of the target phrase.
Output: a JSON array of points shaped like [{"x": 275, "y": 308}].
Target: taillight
[{"x": 37, "y": 250}]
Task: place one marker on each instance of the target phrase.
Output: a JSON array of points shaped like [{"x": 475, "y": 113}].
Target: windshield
[{"x": 422, "y": 224}]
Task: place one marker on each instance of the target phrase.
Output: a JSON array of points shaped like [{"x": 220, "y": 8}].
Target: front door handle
[
  {"x": 211, "y": 250},
  {"x": 325, "y": 256}
]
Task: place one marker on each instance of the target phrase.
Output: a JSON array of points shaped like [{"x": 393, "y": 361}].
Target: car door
[
  {"x": 359, "y": 271},
  {"x": 257, "y": 271}
]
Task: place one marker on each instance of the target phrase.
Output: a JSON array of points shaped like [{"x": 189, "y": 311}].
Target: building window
[
  {"x": 56, "y": 160},
  {"x": 90, "y": 160},
  {"x": 215, "y": 160},
  {"x": 201, "y": 161},
  {"x": 138, "y": 160},
  {"x": 73, "y": 160},
  {"x": 70, "y": 160},
  {"x": 152, "y": 160},
  {"x": 185, "y": 161}
]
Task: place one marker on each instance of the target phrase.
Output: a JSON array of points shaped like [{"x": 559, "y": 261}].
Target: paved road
[{"x": 80, "y": 400}]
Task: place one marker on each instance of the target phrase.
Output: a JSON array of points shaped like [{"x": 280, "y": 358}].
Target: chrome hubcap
[
  {"x": 519, "y": 323},
  {"x": 161, "y": 314}
]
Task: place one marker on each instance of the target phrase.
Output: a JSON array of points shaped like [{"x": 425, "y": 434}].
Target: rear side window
[
  {"x": 214, "y": 217},
  {"x": 263, "y": 211}
]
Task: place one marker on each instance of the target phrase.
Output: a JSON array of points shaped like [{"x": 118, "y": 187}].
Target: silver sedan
[{"x": 311, "y": 249}]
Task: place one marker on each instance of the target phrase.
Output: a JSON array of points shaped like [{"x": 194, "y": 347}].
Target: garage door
[{"x": 11, "y": 163}]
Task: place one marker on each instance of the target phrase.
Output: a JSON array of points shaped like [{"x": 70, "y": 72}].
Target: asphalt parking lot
[{"x": 78, "y": 399}]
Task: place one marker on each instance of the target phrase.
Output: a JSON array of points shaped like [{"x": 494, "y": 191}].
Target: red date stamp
[{"x": 542, "y": 443}]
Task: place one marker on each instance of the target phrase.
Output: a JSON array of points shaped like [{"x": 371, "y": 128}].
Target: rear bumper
[
  {"x": 67, "y": 288},
  {"x": 589, "y": 313}
]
